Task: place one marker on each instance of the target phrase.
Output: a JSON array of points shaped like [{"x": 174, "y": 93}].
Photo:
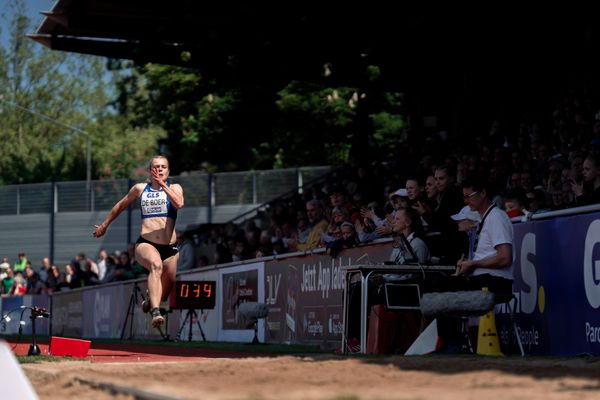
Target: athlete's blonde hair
[{"x": 154, "y": 158}]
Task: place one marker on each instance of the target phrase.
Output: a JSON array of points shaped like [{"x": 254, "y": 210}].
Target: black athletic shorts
[{"x": 165, "y": 250}]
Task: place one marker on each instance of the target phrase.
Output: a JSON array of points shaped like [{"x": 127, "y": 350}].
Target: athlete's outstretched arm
[{"x": 134, "y": 192}]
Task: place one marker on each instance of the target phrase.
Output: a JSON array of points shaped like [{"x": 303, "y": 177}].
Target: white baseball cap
[
  {"x": 400, "y": 192},
  {"x": 466, "y": 213}
]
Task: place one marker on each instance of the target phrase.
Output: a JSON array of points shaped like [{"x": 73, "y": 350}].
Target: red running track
[{"x": 125, "y": 352}]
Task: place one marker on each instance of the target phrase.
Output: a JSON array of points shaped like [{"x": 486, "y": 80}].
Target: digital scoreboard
[{"x": 195, "y": 295}]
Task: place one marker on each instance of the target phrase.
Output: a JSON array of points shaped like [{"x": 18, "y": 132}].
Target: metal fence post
[
  {"x": 53, "y": 207},
  {"x": 18, "y": 199},
  {"x": 211, "y": 198},
  {"x": 300, "y": 180},
  {"x": 254, "y": 187},
  {"x": 129, "y": 214}
]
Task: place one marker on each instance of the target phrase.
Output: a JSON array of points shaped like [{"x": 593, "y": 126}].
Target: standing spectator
[
  {"x": 44, "y": 269},
  {"x": 452, "y": 243},
  {"x": 101, "y": 263},
  {"x": 186, "y": 252},
  {"x": 467, "y": 221},
  {"x": 4, "y": 267},
  {"x": 7, "y": 282},
  {"x": 20, "y": 263},
  {"x": 33, "y": 283}
]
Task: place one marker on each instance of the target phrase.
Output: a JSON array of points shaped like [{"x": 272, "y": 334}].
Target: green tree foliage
[
  {"x": 225, "y": 125},
  {"x": 123, "y": 151},
  {"x": 196, "y": 114},
  {"x": 50, "y": 100},
  {"x": 325, "y": 124}
]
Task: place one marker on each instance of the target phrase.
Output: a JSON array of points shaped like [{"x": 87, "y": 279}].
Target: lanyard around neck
[{"x": 480, "y": 227}]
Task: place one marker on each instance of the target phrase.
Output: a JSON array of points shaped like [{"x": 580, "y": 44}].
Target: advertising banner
[
  {"x": 557, "y": 284},
  {"x": 304, "y": 294},
  {"x": 104, "y": 312},
  {"x": 18, "y": 308},
  {"x": 12, "y": 314},
  {"x": 67, "y": 314},
  {"x": 240, "y": 284}
]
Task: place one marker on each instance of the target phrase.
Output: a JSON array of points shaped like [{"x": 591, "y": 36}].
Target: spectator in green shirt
[{"x": 21, "y": 263}]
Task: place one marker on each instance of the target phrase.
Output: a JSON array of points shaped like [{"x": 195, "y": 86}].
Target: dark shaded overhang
[{"x": 196, "y": 33}]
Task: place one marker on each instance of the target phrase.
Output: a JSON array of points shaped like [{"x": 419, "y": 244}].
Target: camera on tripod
[{"x": 37, "y": 312}]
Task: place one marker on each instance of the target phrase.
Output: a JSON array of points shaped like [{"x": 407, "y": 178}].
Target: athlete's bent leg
[
  {"x": 169, "y": 275},
  {"x": 149, "y": 257}
]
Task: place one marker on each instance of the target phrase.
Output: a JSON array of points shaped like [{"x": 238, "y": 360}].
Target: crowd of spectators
[
  {"x": 535, "y": 167},
  {"x": 23, "y": 278},
  {"x": 532, "y": 167}
]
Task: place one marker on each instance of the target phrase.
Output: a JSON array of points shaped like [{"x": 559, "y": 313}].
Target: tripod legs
[
  {"x": 191, "y": 314},
  {"x": 130, "y": 313},
  {"x": 34, "y": 349}
]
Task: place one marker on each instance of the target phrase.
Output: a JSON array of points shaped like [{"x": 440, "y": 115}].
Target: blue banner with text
[{"x": 557, "y": 285}]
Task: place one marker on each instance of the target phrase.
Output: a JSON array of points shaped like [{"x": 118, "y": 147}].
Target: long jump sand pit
[{"x": 318, "y": 376}]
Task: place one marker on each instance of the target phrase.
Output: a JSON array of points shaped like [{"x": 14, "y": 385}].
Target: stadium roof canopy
[
  {"x": 437, "y": 56},
  {"x": 272, "y": 37},
  {"x": 217, "y": 34}
]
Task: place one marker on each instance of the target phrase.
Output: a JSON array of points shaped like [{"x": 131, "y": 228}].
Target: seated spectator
[
  {"x": 263, "y": 251},
  {"x": 186, "y": 252},
  {"x": 415, "y": 191},
  {"x": 537, "y": 201},
  {"x": 19, "y": 287},
  {"x": 333, "y": 232},
  {"x": 557, "y": 200},
  {"x": 347, "y": 239},
  {"x": 77, "y": 275},
  {"x": 56, "y": 279},
  {"x": 588, "y": 191},
  {"x": 365, "y": 227},
  {"x": 382, "y": 227},
  {"x": 408, "y": 223},
  {"x": 339, "y": 198},
  {"x": 88, "y": 275},
  {"x": 318, "y": 224},
  {"x": 514, "y": 203},
  {"x": 123, "y": 270}
]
